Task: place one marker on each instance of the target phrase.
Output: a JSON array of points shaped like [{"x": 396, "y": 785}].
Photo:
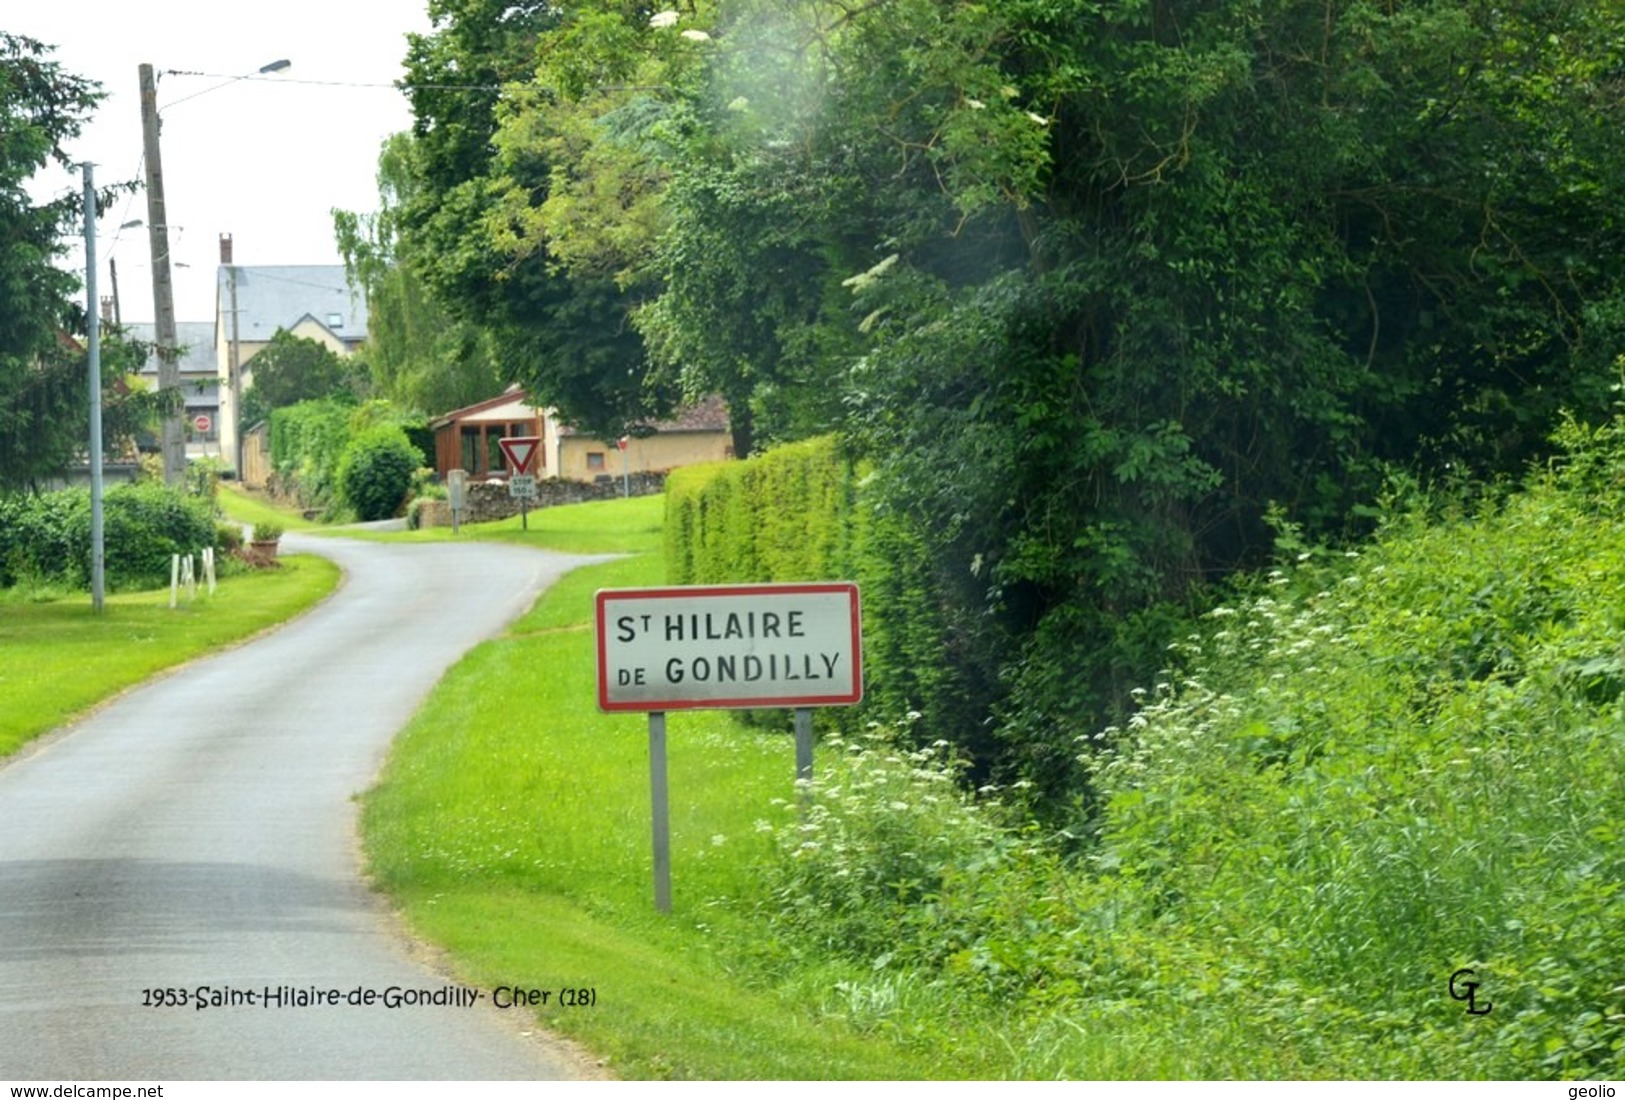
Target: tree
[
  {"x": 416, "y": 353},
  {"x": 1106, "y": 293},
  {"x": 290, "y": 369},
  {"x": 569, "y": 341},
  {"x": 42, "y": 386}
]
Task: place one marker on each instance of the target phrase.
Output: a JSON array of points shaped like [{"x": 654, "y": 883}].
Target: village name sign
[
  {"x": 778, "y": 645},
  {"x": 725, "y": 646}
]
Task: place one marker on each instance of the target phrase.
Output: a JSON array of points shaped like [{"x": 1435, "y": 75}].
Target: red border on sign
[
  {"x": 607, "y": 595},
  {"x": 511, "y": 442}
]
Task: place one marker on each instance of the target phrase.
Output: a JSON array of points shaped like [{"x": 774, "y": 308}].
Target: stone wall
[{"x": 489, "y": 500}]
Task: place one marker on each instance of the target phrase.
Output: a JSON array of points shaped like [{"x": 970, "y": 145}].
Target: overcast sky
[{"x": 264, "y": 159}]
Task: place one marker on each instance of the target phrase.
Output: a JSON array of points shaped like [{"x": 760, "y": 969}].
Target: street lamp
[{"x": 173, "y": 440}]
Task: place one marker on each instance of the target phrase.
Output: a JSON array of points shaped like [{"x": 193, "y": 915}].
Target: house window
[
  {"x": 471, "y": 449},
  {"x": 335, "y": 320},
  {"x": 595, "y": 460}
]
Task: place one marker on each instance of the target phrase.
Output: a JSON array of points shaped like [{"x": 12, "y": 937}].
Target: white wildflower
[
  {"x": 975, "y": 104},
  {"x": 663, "y": 19},
  {"x": 696, "y": 36}
]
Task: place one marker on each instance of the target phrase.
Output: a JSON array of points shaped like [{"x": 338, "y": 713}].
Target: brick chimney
[{"x": 225, "y": 249}]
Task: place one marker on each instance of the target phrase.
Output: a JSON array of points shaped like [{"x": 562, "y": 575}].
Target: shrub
[
  {"x": 376, "y": 471},
  {"x": 144, "y": 526},
  {"x": 46, "y": 538}
]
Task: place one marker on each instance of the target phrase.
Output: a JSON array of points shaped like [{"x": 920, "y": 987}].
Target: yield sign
[{"x": 520, "y": 449}]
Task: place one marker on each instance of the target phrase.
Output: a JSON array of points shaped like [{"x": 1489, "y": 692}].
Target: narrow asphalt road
[{"x": 200, "y": 832}]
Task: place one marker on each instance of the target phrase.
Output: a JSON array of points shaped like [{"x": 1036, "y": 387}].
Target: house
[
  {"x": 199, "y": 380},
  {"x": 697, "y": 433},
  {"x": 468, "y": 439},
  {"x": 316, "y": 301}
]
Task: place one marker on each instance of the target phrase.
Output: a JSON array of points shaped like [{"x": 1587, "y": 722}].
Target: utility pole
[
  {"x": 112, "y": 269},
  {"x": 163, "y": 290},
  {"x": 235, "y": 366},
  {"x": 93, "y": 338}
]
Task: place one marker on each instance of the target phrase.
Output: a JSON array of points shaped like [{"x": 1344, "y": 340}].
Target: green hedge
[
  {"x": 45, "y": 538},
  {"x": 307, "y": 442},
  {"x": 801, "y": 512},
  {"x": 783, "y": 516}
]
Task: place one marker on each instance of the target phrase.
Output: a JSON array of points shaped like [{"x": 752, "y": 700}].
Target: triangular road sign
[{"x": 520, "y": 449}]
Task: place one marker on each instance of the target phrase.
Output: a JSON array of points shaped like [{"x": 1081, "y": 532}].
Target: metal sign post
[
  {"x": 804, "y": 749},
  {"x": 725, "y": 646},
  {"x": 659, "y": 817},
  {"x": 523, "y": 488}
]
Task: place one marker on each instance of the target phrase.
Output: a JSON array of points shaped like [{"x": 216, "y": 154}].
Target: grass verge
[
  {"x": 62, "y": 658},
  {"x": 628, "y": 526},
  {"x": 518, "y": 838},
  {"x": 246, "y": 507}
]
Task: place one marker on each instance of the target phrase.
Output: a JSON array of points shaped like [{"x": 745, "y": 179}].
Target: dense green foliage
[
  {"x": 569, "y": 340},
  {"x": 307, "y": 442},
  {"x": 1104, "y": 295},
  {"x": 375, "y": 471},
  {"x": 45, "y": 538},
  {"x": 1372, "y": 771},
  {"x": 40, "y": 389},
  {"x": 1109, "y": 306},
  {"x": 319, "y": 460}
]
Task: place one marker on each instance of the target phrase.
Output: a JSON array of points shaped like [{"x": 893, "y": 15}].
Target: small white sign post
[{"x": 714, "y": 647}]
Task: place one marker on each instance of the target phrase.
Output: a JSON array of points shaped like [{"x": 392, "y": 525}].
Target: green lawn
[
  {"x": 512, "y": 826},
  {"x": 246, "y": 507},
  {"x": 62, "y": 658},
  {"x": 628, "y": 526}
]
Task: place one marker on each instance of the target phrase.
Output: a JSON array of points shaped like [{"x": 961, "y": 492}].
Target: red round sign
[{"x": 202, "y": 422}]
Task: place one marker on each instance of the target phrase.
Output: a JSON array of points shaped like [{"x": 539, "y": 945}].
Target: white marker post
[
  {"x": 457, "y": 494},
  {"x": 719, "y": 647}
]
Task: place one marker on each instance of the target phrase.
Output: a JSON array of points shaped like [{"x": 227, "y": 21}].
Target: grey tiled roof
[
  {"x": 279, "y": 296},
  {"x": 195, "y": 339}
]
